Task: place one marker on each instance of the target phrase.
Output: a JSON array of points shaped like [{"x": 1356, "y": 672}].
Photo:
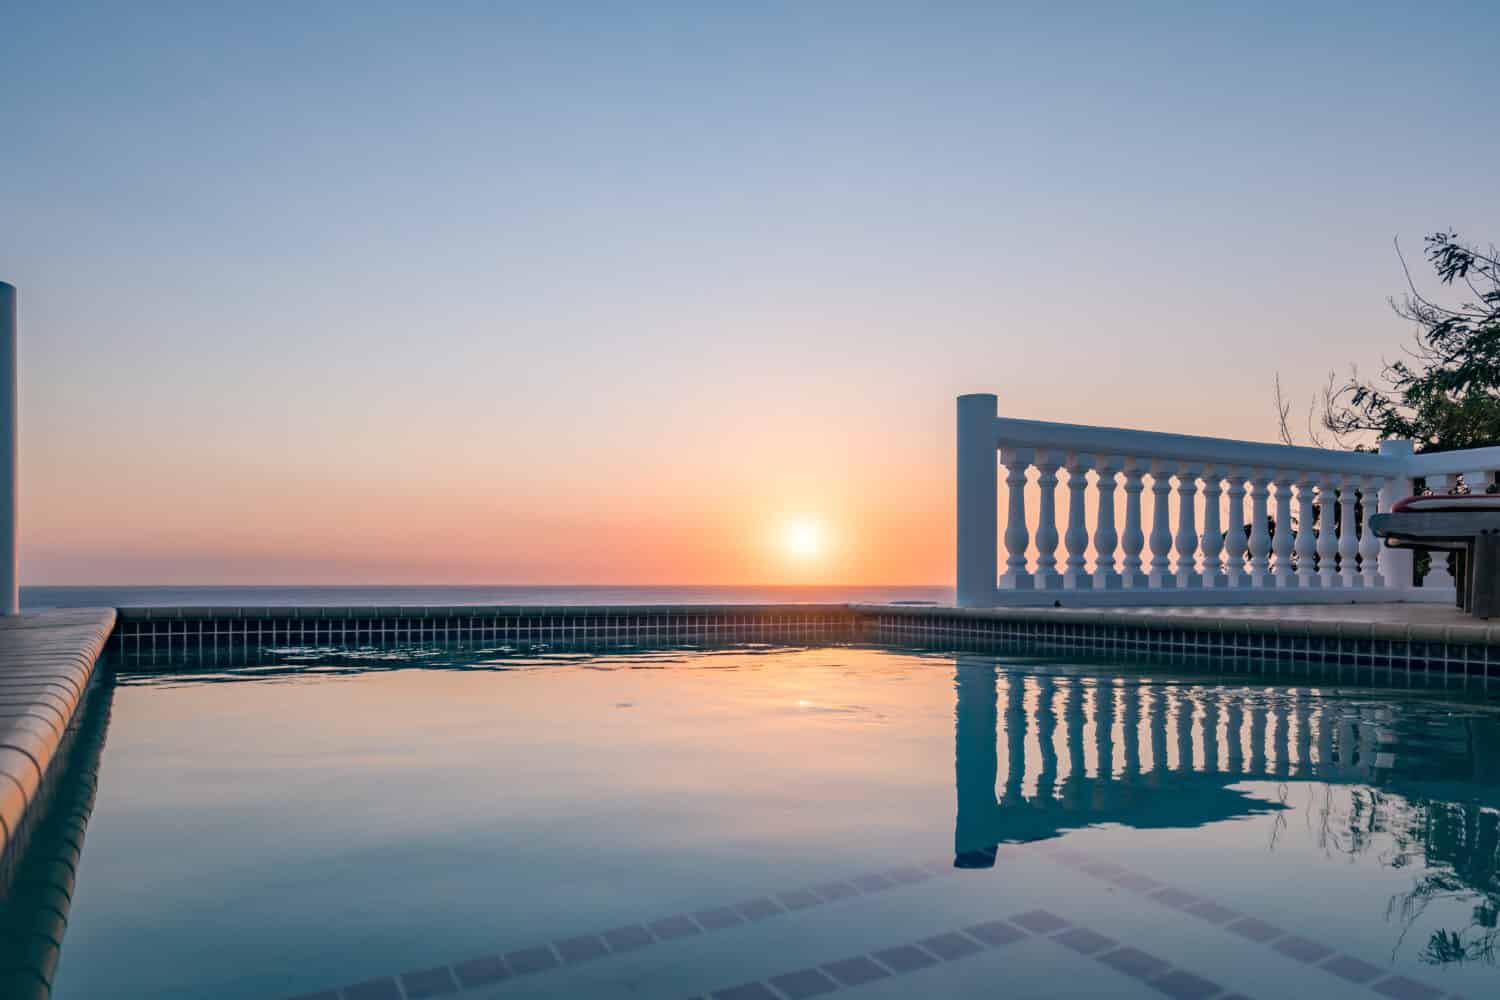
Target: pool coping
[{"x": 47, "y": 664}]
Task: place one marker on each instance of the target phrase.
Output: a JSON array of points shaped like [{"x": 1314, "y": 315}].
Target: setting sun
[{"x": 804, "y": 538}]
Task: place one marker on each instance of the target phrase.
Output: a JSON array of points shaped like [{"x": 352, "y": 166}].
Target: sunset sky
[{"x": 678, "y": 293}]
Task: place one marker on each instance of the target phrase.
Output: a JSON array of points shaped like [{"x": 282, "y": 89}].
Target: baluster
[
  {"x": 1017, "y": 535},
  {"x": 1260, "y": 532},
  {"x": 1076, "y": 540},
  {"x": 1328, "y": 539},
  {"x": 1281, "y": 542},
  {"x": 1370, "y": 548},
  {"x": 1106, "y": 568},
  {"x": 1234, "y": 531},
  {"x": 1134, "y": 540},
  {"x": 1438, "y": 574},
  {"x": 1306, "y": 543},
  {"x": 1213, "y": 537},
  {"x": 1161, "y": 576},
  {"x": 1047, "y": 576},
  {"x": 1187, "y": 528}
]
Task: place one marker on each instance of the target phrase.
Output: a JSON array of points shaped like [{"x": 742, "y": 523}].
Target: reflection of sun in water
[{"x": 803, "y": 538}]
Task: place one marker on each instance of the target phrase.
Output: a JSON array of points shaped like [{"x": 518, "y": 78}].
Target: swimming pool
[{"x": 775, "y": 822}]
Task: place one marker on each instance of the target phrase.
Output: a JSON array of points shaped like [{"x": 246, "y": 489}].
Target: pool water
[{"x": 779, "y": 822}]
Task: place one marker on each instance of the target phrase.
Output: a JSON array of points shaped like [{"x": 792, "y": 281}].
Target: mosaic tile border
[{"x": 1358, "y": 652}]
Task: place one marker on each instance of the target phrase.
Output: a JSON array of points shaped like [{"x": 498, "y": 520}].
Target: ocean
[{"x": 41, "y": 598}]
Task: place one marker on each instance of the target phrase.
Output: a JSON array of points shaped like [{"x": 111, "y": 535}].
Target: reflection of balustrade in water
[
  {"x": 1164, "y": 518},
  {"x": 1067, "y": 751}
]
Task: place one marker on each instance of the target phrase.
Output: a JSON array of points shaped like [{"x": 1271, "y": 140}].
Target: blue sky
[{"x": 565, "y": 276}]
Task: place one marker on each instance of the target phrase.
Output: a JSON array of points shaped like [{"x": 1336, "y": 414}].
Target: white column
[
  {"x": 1437, "y": 573},
  {"x": 1395, "y": 564},
  {"x": 1372, "y": 552},
  {"x": 1307, "y": 539},
  {"x": 1047, "y": 576},
  {"x": 10, "y": 577},
  {"x": 1187, "y": 528},
  {"x": 1348, "y": 540},
  {"x": 1478, "y": 481},
  {"x": 1133, "y": 540},
  {"x": 1161, "y": 576},
  {"x": 1213, "y": 536},
  {"x": 977, "y": 519},
  {"x": 1076, "y": 539},
  {"x": 1234, "y": 531},
  {"x": 1282, "y": 542},
  {"x": 1328, "y": 539},
  {"x": 1017, "y": 535},
  {"x": 1106, "y": 541},
  {"x": 1260, "y": 532}
]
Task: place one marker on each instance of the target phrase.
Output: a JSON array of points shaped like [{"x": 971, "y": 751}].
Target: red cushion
[{"x": 1443, "y": 503}]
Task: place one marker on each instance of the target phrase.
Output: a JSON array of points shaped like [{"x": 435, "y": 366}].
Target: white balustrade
[{"x": 1332, "y": 560}]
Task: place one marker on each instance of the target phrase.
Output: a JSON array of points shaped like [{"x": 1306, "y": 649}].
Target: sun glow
[{"x": 803, "y": 538}]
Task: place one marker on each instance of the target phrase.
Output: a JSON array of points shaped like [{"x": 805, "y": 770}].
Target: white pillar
[
  {"x": 1213, "y": 535},
  {"x": 1282, "y": 543},
  {"x": 1395, "y": 564},
  {"x": 1478, "y": 481},
  {"x": 1234, "y": 532},
  {"x": 1161, "y": 575},
  {"x": 1348, "y": 540},
  {"x": 1047, "y": 576},
  {"x": 1106, "y": 540},
  {"x": 977, "y": 516},
  {"x": 1372, "y": 553},
  {"x": 1328, "y": 539},
  {"x": 1307, "y": 539},
  {"x": 1260, "y": 532},
  {"x": 1133, "y": 540},
  {"x": 1076, "y": 540},
  {"x": 1017, "y": 535},
  {"x": 10, "y": 579},
  {"x": 1187, "y": 528}
]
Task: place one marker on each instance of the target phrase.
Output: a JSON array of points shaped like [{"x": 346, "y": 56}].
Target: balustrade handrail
[{"x": 1194, "y": 449}]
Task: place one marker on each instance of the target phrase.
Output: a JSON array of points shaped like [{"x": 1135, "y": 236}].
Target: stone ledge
[{"x": 47, "y": 660}]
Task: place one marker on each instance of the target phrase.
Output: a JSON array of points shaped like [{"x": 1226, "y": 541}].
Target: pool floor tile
[
  {"x": 1353, "y": 969},
  {"x": 831, "y": 891},
  {"x": 373, "y": 989},
  {"x": 1175, "y": 897},
  {"x": 749, "y": 991},
  {"x": 1402, "y": 988},
  {"x": 581, "y": 949},
  {"x": 1182, "y": 985},
  {"x": 757, "y": 909},
  {"x": 627, "y": 938},
  {"x": 1255, "y": 929},
  {"x": 804, "y": 983},
  {"x": 1040, "y": 921},
  {"x": 718, "y": 919},
  {"x": 1135, "y": 882},
  {"x": 428, "y": 983},
  {"x": 855, "y": 971},
  {"x": 1133, "y": 962},
  {"x": 1212, "y": 912},
  {"x": 995, "y": 933},
  {"x": 481, "y": 971},
  {"x": 799, "y": 899},
  {"x": 681, "y": 925},
  {"x": 904, "y": 958},
  {"x": 1302, "y": 949},
  {"x": 529, "y": 960},
  {"x": 950, "y": 946},
  {"x": 1085, "y": 941}
]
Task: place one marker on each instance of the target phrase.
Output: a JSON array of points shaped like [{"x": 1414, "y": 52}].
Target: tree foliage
[{"x": 1446, "y": 393}]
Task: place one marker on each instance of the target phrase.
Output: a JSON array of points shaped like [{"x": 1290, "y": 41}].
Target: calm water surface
[{"x": 751, "y": 815}]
